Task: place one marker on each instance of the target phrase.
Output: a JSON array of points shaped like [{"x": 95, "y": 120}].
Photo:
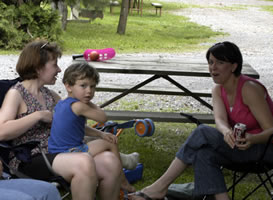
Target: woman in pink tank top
[{"x": 236, "y": 99}]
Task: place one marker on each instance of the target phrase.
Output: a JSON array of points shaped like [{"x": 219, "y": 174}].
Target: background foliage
[{"x": 20, "y": 24}]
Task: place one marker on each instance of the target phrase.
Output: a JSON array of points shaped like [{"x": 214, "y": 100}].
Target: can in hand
[{"x": 239, "y": 131}]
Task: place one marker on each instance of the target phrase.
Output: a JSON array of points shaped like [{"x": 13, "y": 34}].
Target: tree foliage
[{"x": 21, "y": 23}]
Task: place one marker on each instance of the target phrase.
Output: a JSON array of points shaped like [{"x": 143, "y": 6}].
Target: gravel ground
[{"x": 250, "y": 28}]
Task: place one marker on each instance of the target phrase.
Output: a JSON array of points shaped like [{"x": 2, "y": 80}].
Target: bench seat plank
[{"x": 158, "y": 116}]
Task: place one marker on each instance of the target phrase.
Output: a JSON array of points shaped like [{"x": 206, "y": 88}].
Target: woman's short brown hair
[{"x": 34, "y": 56}]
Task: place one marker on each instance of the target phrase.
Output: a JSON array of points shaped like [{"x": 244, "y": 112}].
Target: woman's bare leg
[
  {"x": 108, "y": 169},
  {"x": 159, "y": 188},
  {"x": 98, "y": 146},
  {"x": 80, "y": 170}
]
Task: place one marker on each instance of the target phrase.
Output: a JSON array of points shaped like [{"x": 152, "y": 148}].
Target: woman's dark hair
[
  {"x": 228, "y": 52},
  {"x": 34, "y": 57},
  {"x": 80, "y": 71}
]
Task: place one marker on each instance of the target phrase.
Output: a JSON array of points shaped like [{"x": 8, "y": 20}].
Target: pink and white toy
[{"x": 96, "y": 54}]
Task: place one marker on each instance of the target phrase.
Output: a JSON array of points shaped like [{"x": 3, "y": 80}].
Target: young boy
[{"x": 70, "y": 115}]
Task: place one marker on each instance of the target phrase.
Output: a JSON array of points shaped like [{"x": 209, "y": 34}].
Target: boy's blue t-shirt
[{"x": 67, "y": 129}]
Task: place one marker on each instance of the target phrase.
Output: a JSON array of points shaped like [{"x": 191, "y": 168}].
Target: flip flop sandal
[{"x": 145, "y": 196}]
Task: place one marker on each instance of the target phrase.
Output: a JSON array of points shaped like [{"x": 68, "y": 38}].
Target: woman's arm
[
  {"x": 10, "y": 127},
  {"x": 220, "y": 116},
  {"x": 90, "y": 111},
  {"x": 254, "y": 97},
  {"x": 219, "y": 111}
]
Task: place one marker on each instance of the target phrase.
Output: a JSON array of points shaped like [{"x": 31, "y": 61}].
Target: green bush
[{"x": 19, "y": 25}]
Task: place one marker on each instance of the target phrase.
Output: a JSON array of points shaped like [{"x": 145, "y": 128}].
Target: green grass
[
  {"x": 149, "y": 33},
  {"x": 163, "y": 144},
  {"x": 268, "y": 8},
  {"x": 157, "y": 152}
]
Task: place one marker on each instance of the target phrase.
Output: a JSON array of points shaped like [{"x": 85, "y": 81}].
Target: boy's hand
[{"x": 109, "y": 137}]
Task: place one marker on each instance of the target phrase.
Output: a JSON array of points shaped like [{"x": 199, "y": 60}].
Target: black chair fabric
[{"x": 5, "y": 86}]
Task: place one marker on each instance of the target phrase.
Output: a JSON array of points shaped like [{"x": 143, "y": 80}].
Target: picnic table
[
  {"x": 155, "y": 68},
  {"x": 136, "y": 5}
]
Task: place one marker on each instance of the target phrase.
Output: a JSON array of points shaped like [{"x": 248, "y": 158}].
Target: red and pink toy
[{"x": 96, "y": 54}]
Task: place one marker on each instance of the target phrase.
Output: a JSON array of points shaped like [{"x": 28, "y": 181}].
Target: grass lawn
[
  {"x": 157, "y": 152},
  {"x": 149, "y": 33}
]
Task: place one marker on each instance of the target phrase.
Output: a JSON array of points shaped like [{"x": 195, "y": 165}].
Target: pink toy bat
[{"x": 96, "y": 54}]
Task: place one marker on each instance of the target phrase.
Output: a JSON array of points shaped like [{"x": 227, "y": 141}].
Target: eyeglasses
[{"x": 43, "y": 46}]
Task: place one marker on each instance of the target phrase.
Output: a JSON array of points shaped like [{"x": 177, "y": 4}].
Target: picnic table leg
[
  {"x": 154, "y": 77},
  {"x": 188, "y": 91}
]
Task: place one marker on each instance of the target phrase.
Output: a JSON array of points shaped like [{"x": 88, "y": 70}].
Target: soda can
[{"x": 239, "y": 131}]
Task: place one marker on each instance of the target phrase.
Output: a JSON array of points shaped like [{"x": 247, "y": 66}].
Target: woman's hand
[
  {"x": 46, "y": 116},
  {"x": 229, "y": 138},
  {"x": 245, "y": 143},
  {"x": 109, "y": 137}
]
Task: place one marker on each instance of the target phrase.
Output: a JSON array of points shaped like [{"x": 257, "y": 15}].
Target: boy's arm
[
  {"x": 90, "y": 111},
  {"x": 103, "y": 135}
]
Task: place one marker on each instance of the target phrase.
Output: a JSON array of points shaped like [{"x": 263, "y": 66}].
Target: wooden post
[{"x": 123, "y": 17}]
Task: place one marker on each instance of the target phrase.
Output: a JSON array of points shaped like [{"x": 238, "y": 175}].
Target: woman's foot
[{"x": 148, "y": 193}]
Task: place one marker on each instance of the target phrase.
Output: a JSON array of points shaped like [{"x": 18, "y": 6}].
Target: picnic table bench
[{"x": 157, "y": 68}]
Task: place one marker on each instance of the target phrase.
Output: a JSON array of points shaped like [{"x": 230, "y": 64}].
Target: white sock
[{"x": 129, "y": 161}]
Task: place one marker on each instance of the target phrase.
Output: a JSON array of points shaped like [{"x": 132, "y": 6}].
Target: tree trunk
[
  {"x": 62, "y": 7},
  {"x": 63, "y": 10},
  {"x": 123, "y": 17}
]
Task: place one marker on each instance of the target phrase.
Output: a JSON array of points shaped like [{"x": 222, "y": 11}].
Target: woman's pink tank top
[{"x": 240, "y": 112}]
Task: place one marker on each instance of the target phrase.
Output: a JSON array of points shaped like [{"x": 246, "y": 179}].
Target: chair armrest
[
  {"x": 191, "y": 118},
  {"x": 23, "y": 151}
]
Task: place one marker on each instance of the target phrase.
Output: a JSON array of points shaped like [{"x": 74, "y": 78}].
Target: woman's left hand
[{"x": 110, "y": 137}]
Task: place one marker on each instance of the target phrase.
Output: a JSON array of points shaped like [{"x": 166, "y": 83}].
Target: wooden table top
[{"x": 160, "y": 66}]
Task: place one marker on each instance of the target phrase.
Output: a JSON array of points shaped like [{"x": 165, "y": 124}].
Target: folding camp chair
[
  {"x": 262, "y": 169},
  {"x": 23, "y": 151}
]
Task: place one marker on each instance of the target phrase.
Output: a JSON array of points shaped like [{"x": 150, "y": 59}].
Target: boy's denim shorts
[{"x": 81, "y": 148}]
